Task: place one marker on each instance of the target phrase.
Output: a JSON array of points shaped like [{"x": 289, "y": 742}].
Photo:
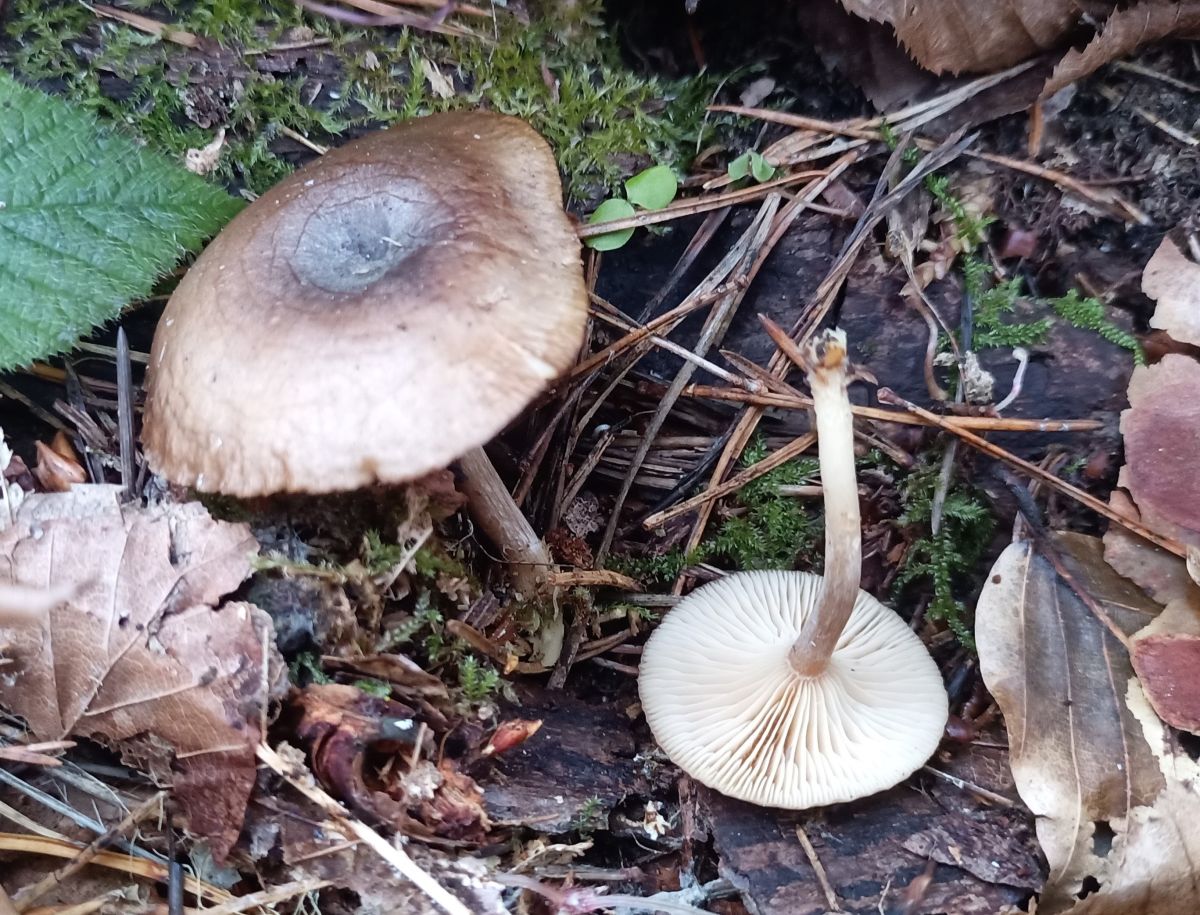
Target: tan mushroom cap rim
[
  {"x": 729, "y": 709},
  {"x": 375, "y": 315}
]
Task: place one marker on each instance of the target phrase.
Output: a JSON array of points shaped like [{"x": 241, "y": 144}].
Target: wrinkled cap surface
[
  {"x": 727, "y": 707},
  {"x": 375, "y": 315}
]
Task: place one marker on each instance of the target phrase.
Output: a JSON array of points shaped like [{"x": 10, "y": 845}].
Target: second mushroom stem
[
  {"x": 501, "y": 519},
  {"x": 825, "y": 364}
]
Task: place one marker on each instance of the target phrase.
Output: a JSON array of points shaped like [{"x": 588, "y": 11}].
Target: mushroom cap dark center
[{"x": 358, "y": 235}]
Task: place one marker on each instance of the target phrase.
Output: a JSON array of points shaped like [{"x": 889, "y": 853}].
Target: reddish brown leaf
[
  {"x": 1162, "y": 441},
  {"x": 1166, "y": 657},
  {"x": 511, "y": 734},
  {"x": 56, "y": 472},
  {"x": 138, "y": 657}
]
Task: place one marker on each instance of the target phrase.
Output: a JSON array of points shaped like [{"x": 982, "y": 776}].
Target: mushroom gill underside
[{"x": 727, "y": 706}]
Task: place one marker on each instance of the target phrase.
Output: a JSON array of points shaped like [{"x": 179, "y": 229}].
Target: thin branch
[
  {"x": 691, "y": 207},
  {"x": 1074, "y": 492}
]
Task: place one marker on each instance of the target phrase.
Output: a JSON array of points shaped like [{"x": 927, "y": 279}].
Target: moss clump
[
  {"x": 775, "y": 529},
  {"x": 768, "y": 530},
  {"x": 562, "y": 72},
  {"x": 942, "y": 561}
]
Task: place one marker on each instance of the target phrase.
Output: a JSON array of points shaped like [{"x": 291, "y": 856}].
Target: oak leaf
[{"x": 140, "y": 657}]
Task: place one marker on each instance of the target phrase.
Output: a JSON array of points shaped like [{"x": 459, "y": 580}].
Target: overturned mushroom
[
  {"x": 383, "y": 311},
  {"x": 793, "y": 690}
]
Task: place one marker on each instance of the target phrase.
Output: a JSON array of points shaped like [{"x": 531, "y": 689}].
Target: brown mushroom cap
[
  {"x": 728, "y": 707},
  {"x": 372, "y": 317}
]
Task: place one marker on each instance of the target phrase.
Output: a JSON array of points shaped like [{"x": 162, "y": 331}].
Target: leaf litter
[
  {"x": 390, "y": 758},
  {"x": 1087, "y": 671},
  {"x": 958, "y": 36},
  {"x": 142, "y": 656}
]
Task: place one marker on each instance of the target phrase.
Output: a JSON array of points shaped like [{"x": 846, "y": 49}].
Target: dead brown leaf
[
  {"x": 1173, "y": 281},
  {"x": 1123, "y": 32},
  {"x": 1088, "y": 754},
  {"x": 1161, "y": 429},
  {"x": 139, "y": 657},
  {"x": 958, "y": 36},
  {"x": 1159, "y": 573}
]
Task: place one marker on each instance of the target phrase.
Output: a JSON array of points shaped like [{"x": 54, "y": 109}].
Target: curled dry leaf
[
  {"x": 1087, "y": 752},
  {"x": 1123, "y": 32},
  {"x": 348, "y": 731},
  {"x": 511, "y": 734},
  {"x": 960, "y": 36},
  {"x": 138, "y": 656}
]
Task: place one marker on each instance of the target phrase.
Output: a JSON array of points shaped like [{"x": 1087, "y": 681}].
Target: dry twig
[
  {"x": 1074, "y": 492},
  {"x": 25, "y": 899},
  {"x": 111, "y": 860}
]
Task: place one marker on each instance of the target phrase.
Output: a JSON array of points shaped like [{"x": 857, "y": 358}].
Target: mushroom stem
[
  {"x": 498, "y": 516},
  {"x": 827, "y": 376}
]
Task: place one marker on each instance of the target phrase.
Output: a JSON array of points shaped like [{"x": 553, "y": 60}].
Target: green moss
[
  {"x": 562, "y": 72},
  {"x": 590, "y": 817},
  {"x": 306, "y": 669},
  {"x": 654, "y": 570},
  {"x": 971, "y": 229},
  {"x": 770, "y": 531},
  {"x": 942, "y": 562},
  {"x": 476, "y": 681},
  {"x": 1088, "y": 313},
  {"x": 774, "y": 529},
  {"x": 994, "y": 304}
]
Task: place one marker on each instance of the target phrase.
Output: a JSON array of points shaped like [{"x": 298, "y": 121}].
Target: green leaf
[
  {"x": 613, "y": 208},
  {"x": 760, "y": 168},
  {"x": 739, "y": 168},
  {"x": 653, "y": 188},
  {"x": 88, "y": 221}
]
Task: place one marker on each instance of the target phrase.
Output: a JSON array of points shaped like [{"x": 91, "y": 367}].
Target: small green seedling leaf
[
  {"x": 752, "y": 164},
  {"x": 739, "y": 168},
  {"x": 88, "y": 221},
  {"x": 760, "y": 168},
  {"x": 653, "y": 188},
  {"x": 613, "y": 208}
]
